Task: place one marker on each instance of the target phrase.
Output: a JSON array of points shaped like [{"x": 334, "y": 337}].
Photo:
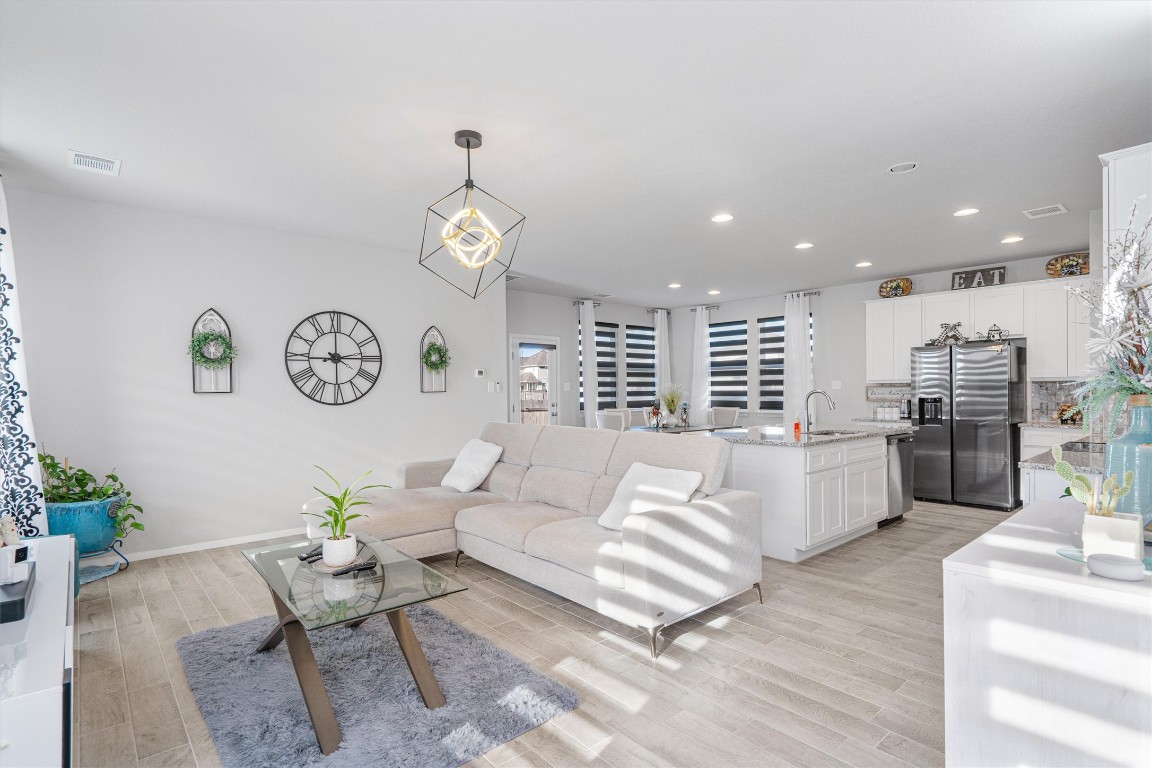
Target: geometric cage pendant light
[{"x": 470, "y": 236}]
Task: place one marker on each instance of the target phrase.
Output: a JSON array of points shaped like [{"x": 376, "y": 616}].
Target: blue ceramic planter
[
  {"x": 1133, "y": 452},
  {"x": 93, "y": 523}
]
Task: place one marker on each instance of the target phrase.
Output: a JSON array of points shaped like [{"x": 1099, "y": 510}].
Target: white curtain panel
[
  {"x": 663, "y": 356},
  {"x": 588, "y": 350},
  {"x": 797, "y": 355},
  {"x": 699, "y": 396},
  {"x": 20, "y": 484}
]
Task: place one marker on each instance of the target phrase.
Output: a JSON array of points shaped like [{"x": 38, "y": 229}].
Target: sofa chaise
[{"x": 535, "y": 517}]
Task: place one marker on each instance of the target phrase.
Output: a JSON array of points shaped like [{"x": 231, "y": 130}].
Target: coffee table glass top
[{"x": 321, "y": 600}]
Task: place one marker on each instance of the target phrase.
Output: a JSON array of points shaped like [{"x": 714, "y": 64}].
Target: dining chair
[
  {"x": 637, "y": 417},
  {"x": 605, "y": 420},
  {"x": 622, "y": 413},
  {"x": 725, "y": 417}
]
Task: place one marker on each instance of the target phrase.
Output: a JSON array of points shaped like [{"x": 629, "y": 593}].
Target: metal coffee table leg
[
  {"x": 417, "y": 661},
  {"x": 308, "y": 674}
]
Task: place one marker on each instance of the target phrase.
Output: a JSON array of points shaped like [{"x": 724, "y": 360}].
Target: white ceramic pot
[
  {"x": 1119, "y": 534},
  {"x": 338, "y": 552},
  {"x": 341, "y": 588}
]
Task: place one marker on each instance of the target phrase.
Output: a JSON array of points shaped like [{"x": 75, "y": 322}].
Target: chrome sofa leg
[
  {"x": 759, "y": 594},
  {"x": 653, "y": 636},
  {"x": 458, "y": 553}
]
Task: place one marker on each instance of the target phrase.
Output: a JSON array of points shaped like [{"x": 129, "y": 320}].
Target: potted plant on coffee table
[{"x": 339, "y": 548}]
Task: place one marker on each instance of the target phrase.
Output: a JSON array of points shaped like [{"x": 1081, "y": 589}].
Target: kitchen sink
[{"x": 834, "y": 433}]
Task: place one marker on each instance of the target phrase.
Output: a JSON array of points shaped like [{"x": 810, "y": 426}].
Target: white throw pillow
[
  {"x": 472, "y": 465},
  {"x": 645, "y": 487}
]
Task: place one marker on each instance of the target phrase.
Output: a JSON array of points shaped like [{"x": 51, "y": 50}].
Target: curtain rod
[
  {"x": 578, "y": 302},
  {"x": 654, "y": 310},
  {"x": 710, "y": 306},
  {"x": 811, "y": 293}
]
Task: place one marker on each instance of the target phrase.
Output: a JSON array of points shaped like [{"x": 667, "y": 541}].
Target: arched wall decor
[
  {"x": 206, "y": 381},
  {"x": 432, "y": 381}
]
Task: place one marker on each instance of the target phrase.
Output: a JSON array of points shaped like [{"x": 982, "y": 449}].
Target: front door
[{"x": 534, "y": 399}]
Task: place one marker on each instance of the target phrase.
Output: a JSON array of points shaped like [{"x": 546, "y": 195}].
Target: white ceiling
[{"x": 619, "y": 129}]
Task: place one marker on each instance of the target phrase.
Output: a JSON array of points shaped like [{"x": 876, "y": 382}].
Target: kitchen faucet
[{"x": 807, "y": 410}]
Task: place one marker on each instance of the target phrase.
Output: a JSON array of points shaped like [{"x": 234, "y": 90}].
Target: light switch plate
[
  {"x": 491, "y": 386},
  {"x": 835, "y": 385},
  {"x": 567, "y": 386}
]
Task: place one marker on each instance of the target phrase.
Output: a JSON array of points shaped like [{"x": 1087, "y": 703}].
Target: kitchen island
[
  {"x": 1045, "y": 664},
  {"x": 1038, "y": 478},
  {"x": 818, "y": 492}
]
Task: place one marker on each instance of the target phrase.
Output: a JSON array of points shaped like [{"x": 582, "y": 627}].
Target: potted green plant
[
  {"x": 339, "y": 548},
  {"x": 98, "y": 512}
]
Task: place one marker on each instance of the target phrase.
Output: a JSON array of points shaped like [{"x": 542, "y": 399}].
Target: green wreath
[
  {"x": 436, "y": 357},
  {"x": 206, "y": 338}
]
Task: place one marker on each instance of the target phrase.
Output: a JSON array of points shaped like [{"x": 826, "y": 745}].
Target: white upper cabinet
[
  {"x": 1127, "y": 176},
  {"x": 1046, "y": 326},
  {"x": 907, "y": 332},
  {"x": 1079, "y": 331},
  {"x": 878, "y": 322},
  {"x": 1003, "y": 307},
  {"x": 948, "y": 307}
]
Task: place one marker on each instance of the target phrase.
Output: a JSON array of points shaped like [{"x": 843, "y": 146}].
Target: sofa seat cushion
[
  {"x": 395, "y": 512},
  {"x": 580, "y": 545},
  {"x": 508, "y": 523}
]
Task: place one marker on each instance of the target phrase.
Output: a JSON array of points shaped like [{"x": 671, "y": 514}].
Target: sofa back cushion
[
  {"x": 505, "y": 479},
  {"x": 567, "y": 488},
  {"x": 577, "y": 448},
  {"x": 707, "y": 455},
  {"x": 517, "y": 440}
]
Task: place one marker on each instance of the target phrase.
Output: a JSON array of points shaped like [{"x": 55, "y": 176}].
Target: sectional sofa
[{"x": 535, "y": 516}]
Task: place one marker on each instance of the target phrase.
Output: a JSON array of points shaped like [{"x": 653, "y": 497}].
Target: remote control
[
  {"x": 368, "y": 566},
  {"x": 311, "y": 554}
]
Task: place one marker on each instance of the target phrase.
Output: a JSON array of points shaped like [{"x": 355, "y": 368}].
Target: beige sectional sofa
[{"x": 535, "y": 517}]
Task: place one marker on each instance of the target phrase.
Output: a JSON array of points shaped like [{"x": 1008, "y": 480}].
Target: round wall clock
[{"x": 333, "y": 358}]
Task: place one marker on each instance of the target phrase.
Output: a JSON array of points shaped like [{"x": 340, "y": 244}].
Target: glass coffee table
[{"x": 307, "y": 600}]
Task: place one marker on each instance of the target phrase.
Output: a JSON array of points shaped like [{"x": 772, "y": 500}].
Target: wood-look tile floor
[{"x": 842, "y": 665}]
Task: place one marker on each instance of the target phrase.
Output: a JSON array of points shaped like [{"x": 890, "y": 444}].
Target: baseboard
[{"x": 154, "y": 553}]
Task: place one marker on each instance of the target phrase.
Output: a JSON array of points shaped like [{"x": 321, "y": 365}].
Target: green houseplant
[
  {"x": 98, "y": 512},
  {"x": 340, "y": 547}
]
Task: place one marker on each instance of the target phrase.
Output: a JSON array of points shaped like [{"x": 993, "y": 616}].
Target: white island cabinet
[
  {"x": 815, "y": 495},
  {"x": 1045, "y": 664}
]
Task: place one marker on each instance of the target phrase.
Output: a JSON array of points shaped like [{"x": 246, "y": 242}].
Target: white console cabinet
[{"x": 36, "y": 664}]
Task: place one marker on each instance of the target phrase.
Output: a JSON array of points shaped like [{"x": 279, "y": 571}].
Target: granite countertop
[
  {"x": 776, "y": 436},
  {"x": 1086, "y": 457},
  {"x": 1050, "y": 425},
  {"x": 873, "y": 420}
]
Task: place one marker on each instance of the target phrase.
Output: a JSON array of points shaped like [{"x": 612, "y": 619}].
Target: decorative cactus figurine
[{"x": 1099, "y": 502}]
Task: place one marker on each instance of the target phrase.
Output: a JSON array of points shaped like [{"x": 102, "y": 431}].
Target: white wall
[
  {"x": 537, "y": 314},
  {"x": 109, "y": 295},
  {"x": 838, "y": 329}
]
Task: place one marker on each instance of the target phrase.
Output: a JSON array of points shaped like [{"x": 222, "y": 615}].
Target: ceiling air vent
[
  {"x": 84, "y": 162},
  {"x": 1048, "y": 210},
  {"x": 603, "y": 295}
]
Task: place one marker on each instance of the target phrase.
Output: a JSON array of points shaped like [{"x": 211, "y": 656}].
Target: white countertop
[
  {"x": 1052, "y": 425},
  {"x": 1022, "y": 550}
]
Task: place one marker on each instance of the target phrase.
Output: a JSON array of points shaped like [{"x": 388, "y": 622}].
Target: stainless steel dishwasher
[{"x": 901, "y": 463}]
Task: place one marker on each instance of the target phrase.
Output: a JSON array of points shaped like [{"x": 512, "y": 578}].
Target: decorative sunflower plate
[
  {"x": 897, "y": 286},
  {"x": 1067, "y": 265}
]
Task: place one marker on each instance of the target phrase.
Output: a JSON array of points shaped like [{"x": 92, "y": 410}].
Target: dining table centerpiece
[{"x": 1121, "y": 365}]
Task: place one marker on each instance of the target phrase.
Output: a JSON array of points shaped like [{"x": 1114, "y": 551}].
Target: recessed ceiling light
[
  {"x": 713, "y": 293},
  {"x": 1013, "y": 239},
  {"x": 720, "y": 218},
  {"x": 673, "y": 285},
  {"x": 900, "y": 168},
  {"x": 864, "y": 264},
  {"x": 966, "y": 211},
  {"x": 802, "y": 246}
]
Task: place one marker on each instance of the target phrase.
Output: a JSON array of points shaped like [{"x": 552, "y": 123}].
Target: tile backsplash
[{"x": 1047, "y": 397}]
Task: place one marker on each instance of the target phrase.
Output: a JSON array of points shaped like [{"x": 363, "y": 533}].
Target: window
[
  {"x": 639, "y": 365},
  {"x": 605, "y": 365},
  {"x": 728, "y": 353},
  {"x": 772, "y": 361}
]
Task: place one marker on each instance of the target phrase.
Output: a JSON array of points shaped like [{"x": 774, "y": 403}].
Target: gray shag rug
[{"x": 256, "y": 714}]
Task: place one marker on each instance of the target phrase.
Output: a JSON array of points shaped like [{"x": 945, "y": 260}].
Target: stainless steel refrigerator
[{"x": 967, "y": 403}]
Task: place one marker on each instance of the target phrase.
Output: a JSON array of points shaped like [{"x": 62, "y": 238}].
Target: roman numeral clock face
[{"x": 333, "y": 358}]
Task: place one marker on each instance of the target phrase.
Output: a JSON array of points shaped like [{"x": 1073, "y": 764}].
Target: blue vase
[
  {"x": 93, "y": 523},
  {"x": 1133, "y": 452}
]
